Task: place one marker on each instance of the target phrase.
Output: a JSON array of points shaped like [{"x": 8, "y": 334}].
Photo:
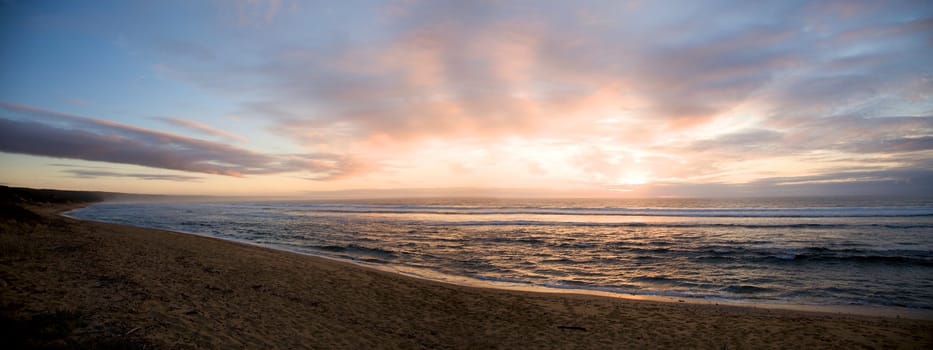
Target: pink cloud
[
  {"x": 202, "y": 128},
  {"x": 698, "y": 88}
]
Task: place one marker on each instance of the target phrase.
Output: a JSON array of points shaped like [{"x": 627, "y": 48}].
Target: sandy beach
[{"x": 67, "y": 283}]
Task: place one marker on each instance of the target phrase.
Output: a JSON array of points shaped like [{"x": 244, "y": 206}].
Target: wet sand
[{"x": 67, "y": 283}]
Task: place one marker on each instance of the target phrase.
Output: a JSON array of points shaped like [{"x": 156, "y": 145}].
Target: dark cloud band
[{"x": 34, "y": 131}]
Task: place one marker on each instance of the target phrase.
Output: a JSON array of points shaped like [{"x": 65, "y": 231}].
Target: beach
[{"x": 67, "y": 283}]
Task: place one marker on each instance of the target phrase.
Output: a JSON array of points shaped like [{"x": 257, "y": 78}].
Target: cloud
[
  {"x": 494, "y": 69},
  {"x": 202, "y": 128},
  {"x": 896, "y": 145},
  {"x": 93, "y": 174},
  {"x": 873, "y": 182},
  {"x": 741, "y": 141},
  {"x": 857, "y": 134},
  {"x": 34, "y": 131},
  {"x": 907, "y": 182},
  {"x": 685, "y": 92}
]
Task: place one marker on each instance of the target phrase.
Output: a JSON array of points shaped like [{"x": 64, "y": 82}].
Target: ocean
[{"x": 801, "y": 251}]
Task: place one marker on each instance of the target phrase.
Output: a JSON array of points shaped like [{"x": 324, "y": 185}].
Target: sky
[{"x": 491, "y": 98}]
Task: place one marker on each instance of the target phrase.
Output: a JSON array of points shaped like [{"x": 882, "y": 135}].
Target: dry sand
[{"x": 69, "y": 283}]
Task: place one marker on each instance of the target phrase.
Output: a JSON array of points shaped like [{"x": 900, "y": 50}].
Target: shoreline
[
  {"x": 104, "y": 284},
  {"x": 436, "y": 277}
]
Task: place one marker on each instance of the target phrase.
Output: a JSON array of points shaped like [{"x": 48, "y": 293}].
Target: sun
[{"x": 633, "y": 180}]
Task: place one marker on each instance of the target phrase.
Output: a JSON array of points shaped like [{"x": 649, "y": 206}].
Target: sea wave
[
  {"x": 790, "y": 212},
  {"x": 834, "y": 255},
  {"x": 810, "y": 254},
  {"x": 668, "y": 224}
]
